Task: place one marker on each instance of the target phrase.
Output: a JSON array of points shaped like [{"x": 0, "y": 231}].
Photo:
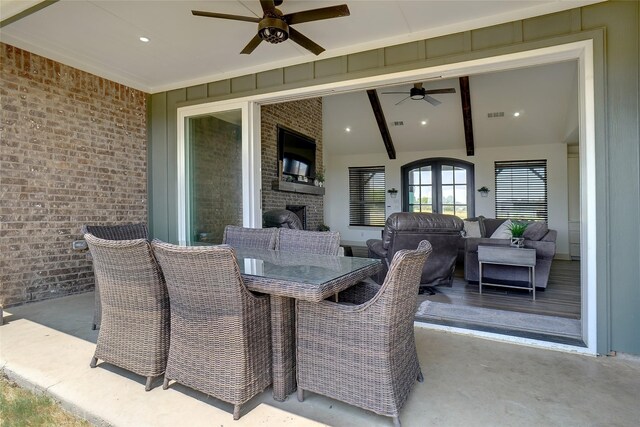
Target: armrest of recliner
[{"x": 375, "y": 249}]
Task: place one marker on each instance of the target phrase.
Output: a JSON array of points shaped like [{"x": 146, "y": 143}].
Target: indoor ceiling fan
[
  {"x": 275, "y": 27},
  {"x": 418, "y": 93}
]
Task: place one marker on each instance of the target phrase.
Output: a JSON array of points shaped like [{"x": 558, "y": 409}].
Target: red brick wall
[
  {"x": 73, "y": 150},
  {"x": 304, "y": 116}
]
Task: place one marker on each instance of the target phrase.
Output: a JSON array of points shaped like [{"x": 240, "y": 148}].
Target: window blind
[
  {"x": 367, "y": 196},
  {"x": 521, "y": 190}
]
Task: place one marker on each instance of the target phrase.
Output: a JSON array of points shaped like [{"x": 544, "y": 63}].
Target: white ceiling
[
  {"x": 545, "y": 96},
  {"x": 101, "y": 36}
]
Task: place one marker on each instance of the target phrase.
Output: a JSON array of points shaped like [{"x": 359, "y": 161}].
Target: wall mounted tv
[{"x": 297, "y": 153}]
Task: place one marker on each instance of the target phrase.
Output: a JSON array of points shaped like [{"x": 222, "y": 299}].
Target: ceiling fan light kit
[
  {"x": 273, "y": 30},
  {"x": 274, "y": 26}
]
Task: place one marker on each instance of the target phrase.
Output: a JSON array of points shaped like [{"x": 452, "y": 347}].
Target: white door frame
[
  {"x": 251, "y": 179},
  {"x": 581, "y": 51}
]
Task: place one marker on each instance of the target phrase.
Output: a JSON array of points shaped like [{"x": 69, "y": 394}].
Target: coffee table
[{"x": 507, "y": 255}]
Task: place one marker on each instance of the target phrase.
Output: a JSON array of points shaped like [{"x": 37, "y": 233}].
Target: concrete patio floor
[{"x": 469, "y": 381}]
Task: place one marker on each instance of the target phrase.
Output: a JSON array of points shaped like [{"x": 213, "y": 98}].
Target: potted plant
[
  {"x": 323, "y": 227},
  {"x": 319, "y": 182},
  {"x": 484, "y": 191},
  {"x": 517, "y": 230}
]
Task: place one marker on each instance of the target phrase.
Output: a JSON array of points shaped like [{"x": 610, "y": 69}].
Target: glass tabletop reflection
[{"x": 298, "y": 267}]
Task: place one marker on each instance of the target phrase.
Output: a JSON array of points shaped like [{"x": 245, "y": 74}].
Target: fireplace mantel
[{"x": 294, "y": 187}]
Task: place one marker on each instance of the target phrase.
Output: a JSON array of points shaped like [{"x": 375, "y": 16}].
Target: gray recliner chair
[
  {"x": 281, "y": 218},
  {"x": 405, "y": 230}
]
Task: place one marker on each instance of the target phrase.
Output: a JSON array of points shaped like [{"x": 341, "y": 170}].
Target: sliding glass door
[{"x": 216, "y": 173}]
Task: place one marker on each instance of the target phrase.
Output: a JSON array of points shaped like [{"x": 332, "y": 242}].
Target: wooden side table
[{"x": 507, "y": 255}]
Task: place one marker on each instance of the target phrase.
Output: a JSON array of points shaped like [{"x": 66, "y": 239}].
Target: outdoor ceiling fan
[
  {"x": 418, "y": 93},
  {"x": 275, "y": 27}
]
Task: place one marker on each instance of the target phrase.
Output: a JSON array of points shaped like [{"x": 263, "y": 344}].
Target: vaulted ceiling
[{"x": 544, "y": 97}]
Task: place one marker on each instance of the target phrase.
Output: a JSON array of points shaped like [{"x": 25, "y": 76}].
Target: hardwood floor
[{"x": 561, "y": 297}]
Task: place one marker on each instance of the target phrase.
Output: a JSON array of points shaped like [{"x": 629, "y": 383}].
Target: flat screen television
[{"x": 297, "y": 153}]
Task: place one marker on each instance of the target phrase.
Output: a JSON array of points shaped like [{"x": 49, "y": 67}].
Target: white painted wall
[{"x": 337, "y": 178}]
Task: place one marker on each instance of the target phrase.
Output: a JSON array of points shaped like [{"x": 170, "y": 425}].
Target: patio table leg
[{"x": 284, "y": 346}]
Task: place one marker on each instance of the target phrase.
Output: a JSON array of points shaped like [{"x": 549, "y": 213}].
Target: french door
[{"x": 439, "y": 185}]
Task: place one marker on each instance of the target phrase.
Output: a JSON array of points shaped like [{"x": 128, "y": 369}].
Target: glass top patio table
[{"x": 303, "y": 276}]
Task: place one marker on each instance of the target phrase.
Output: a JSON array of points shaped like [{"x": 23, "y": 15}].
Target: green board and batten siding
[{"x": 614, "y": 28}]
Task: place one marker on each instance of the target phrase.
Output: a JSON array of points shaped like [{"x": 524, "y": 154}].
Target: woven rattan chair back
[
  {"x": 220, "y": 331},
  {"x": 399, "y": 291},
  {"x": 117, "y": 232},
  {"x": 112, "y": 232},
  {"x": 311, "y": 242},
  {"x": 369, "y": 348},
  {"x": 134, "y": 334},
  {"x": 256, "y": 238}
]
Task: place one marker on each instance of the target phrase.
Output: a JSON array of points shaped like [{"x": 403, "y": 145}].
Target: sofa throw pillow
[
  {"x": 472, "y": 229},
  {"x": 535, "y": 230},
  {"x": 480, "y": 221},
  {"x": 502, "y": 232}
]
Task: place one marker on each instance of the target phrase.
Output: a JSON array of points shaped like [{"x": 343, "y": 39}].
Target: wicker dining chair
[
  {"x": 220, "y": 331},
  {"x": 257, "y": 238},
  {"x": 364, "y": 354},
  {"x": 312, "y": 242},
  {"x": 134, "y": 333},
  {"x": 112, "y": 232}
]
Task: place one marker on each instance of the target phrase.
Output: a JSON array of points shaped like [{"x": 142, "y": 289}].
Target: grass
[{"x": 22, "y": 408}]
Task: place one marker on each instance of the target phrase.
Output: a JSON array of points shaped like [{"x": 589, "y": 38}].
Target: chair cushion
[{"x": 535, "y": 230}]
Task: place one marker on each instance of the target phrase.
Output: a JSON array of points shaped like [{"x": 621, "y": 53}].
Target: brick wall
[
  {"x": 72, "y": 151},
  {"x": 304, "y": 116}
]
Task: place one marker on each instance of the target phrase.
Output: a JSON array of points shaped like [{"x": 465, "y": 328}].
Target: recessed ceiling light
[
  {"x": 423, "y": 123},
  {"x": 516, "y": 114},
  {"x": 347, "y": 129},
  {"x": 144, "y": 39}
]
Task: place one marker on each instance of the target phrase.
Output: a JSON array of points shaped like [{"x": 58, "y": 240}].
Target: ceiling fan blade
[
  {"x": 400, "y": 102},
  {"x": 448, "y": 90},
  {"x": 432, "y": 101},
  {"x": 317, "y": 14},
  {"x": 250, "y": 47},
  {"x": 417, "y": 85},
  {"x": 305, "y": 42},
  {"x": 267, "y": 5},
  {"x": 395, "y": 93},
  {"x": 225, "y": 16}
]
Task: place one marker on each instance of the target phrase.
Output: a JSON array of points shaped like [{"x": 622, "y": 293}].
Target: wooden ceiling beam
[
  {"x": 382, "y": 123},
  {"x": 465, "y": 95}
]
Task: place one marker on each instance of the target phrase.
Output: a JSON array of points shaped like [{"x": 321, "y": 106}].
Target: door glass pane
[
  {"x": 460, "y": 176},
  {"x": 461, "y": 194},
  {"x": 214, "y": 167},
  {"x": 425, "y": 195},
  {"x": 461, "y": 212},
  {"x": 447, "y": 194},
  {"x": 448, "y": 210},
  {"x": 425, "y": 175},
  {"x": 447, "y": 174},
  {"x": 414, "y": 177}
]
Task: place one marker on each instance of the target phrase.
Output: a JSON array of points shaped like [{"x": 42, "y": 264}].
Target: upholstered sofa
[
  {"x": 281, "y": 218},
  {"x": 404, "y": 230},
  {"x": 536, "y": 236}
]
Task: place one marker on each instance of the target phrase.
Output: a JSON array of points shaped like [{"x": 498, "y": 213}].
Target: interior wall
[
  {"x": 304, "y": 116},
  {"x": 337, "y": 198}
]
